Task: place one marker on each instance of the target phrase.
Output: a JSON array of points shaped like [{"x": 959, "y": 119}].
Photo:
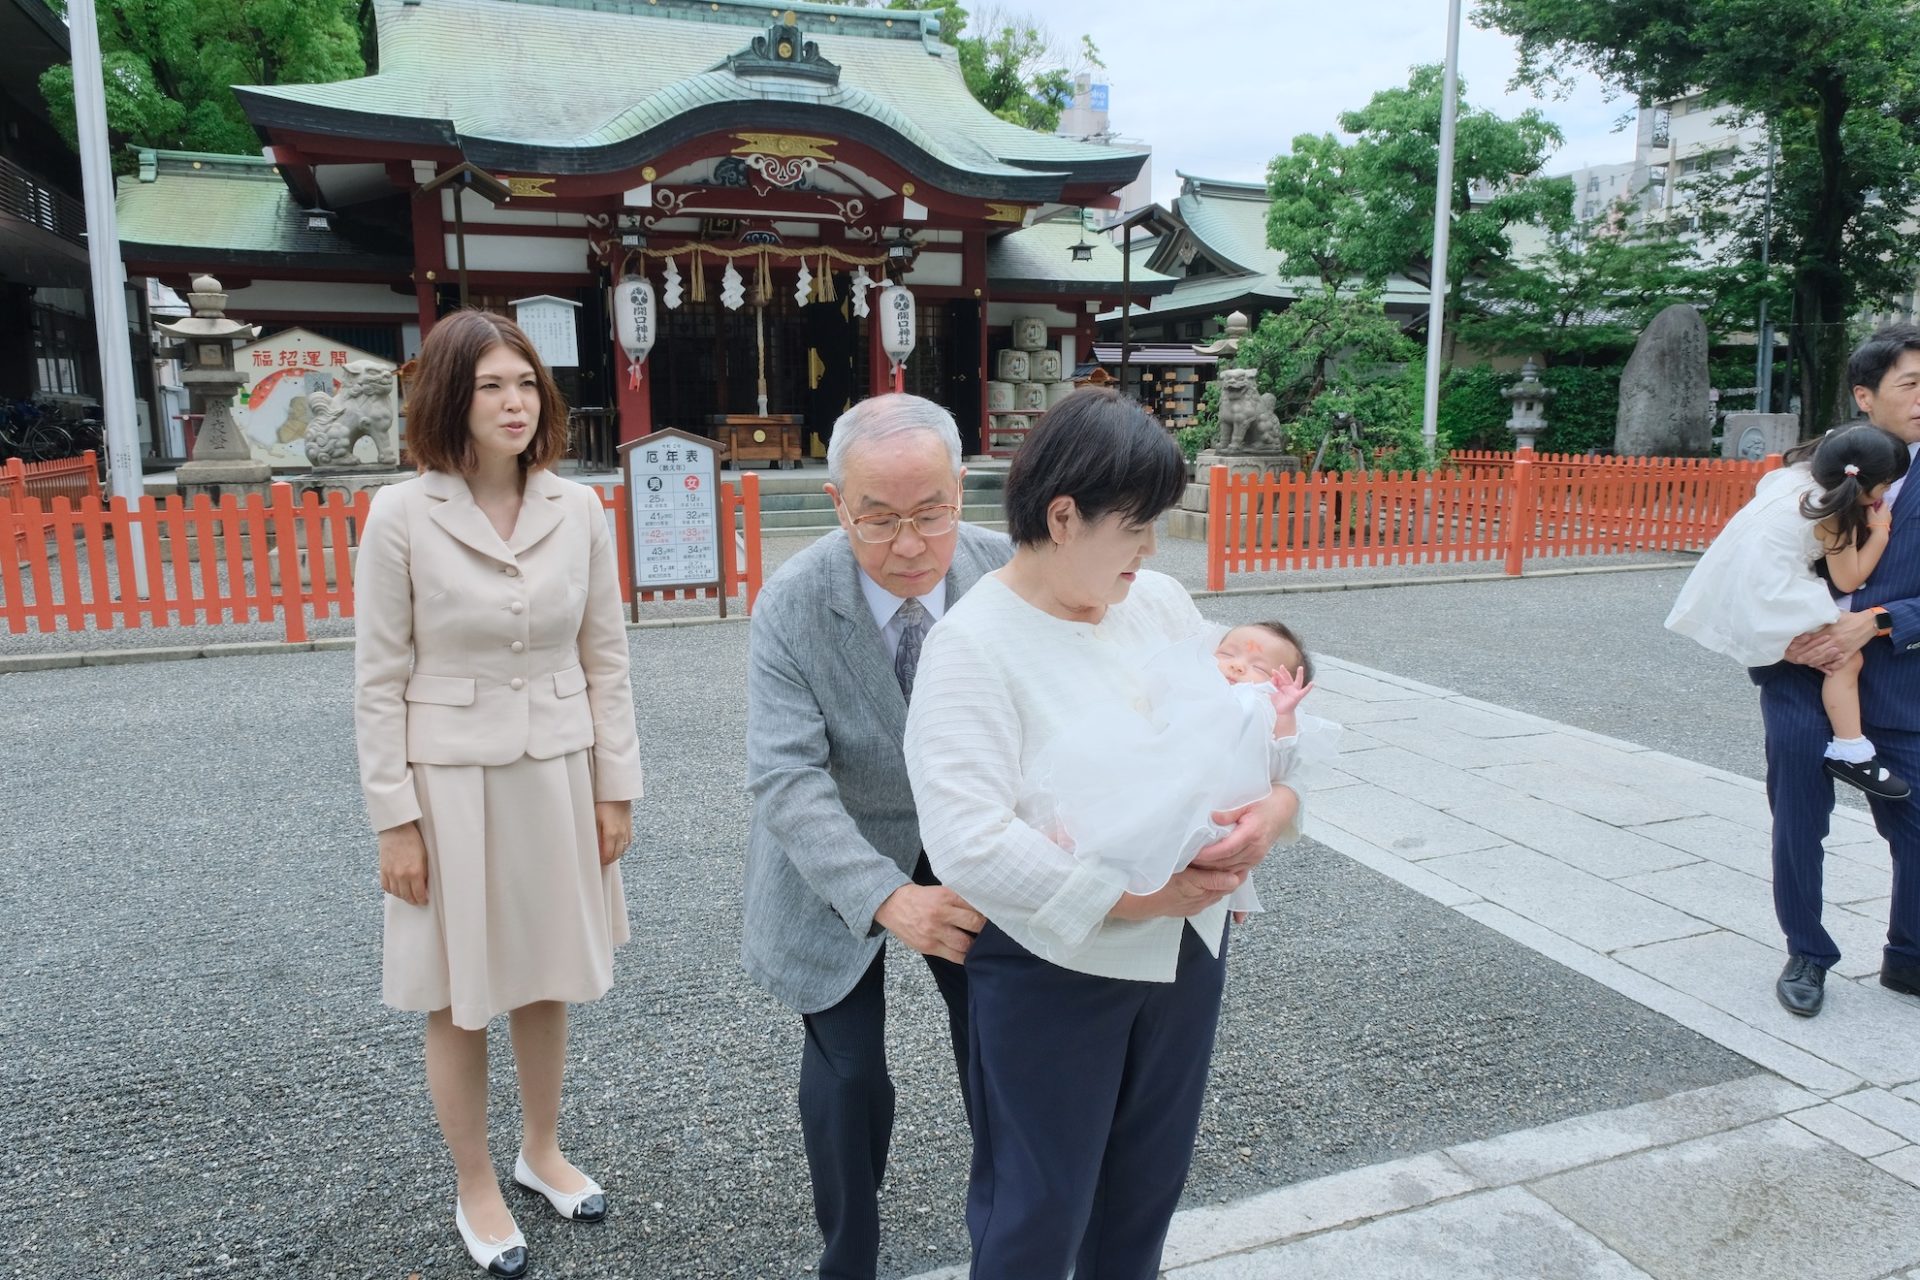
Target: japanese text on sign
[{"x": 675, "y": 513}]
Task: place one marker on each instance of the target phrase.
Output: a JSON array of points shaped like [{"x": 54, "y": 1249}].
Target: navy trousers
[
  {"x": 846, "y": 1108},
  {"x": 1087, "y": 1099},
  {"x": 1801, "y": 795}
]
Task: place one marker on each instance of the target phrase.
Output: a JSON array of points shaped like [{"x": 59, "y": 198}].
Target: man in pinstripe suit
[{"x": 1882, "y": 622}]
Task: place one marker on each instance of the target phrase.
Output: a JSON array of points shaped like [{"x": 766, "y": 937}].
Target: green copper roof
[
  {"x": 1229, "y": 219},
  {"x": 590, "y": 86},
  {"x": 1039, "y": 259},
  {"x": 188, "y": 207}
]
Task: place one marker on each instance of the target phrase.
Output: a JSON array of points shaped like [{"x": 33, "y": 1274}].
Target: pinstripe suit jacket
[
  {"x": 1890, "y": 680},
  {"x": 834, "y": 830}
]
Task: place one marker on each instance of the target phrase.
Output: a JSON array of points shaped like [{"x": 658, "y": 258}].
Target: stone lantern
[
  {"x": 1529, "y": 398},
  {"x": 222, "y": 462}
]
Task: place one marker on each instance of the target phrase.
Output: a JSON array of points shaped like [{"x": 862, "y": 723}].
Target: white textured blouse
[{"x": 998, "y": 679}]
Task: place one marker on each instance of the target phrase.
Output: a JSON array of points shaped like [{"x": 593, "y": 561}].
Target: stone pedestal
[
  {"x": 1189, "y": 519},
  {"x": 222, "y": 463},
  {"x": 1755, "y": 435}
]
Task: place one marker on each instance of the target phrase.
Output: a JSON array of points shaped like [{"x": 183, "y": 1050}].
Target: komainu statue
[
  {"x": 364, "y": 407},
  {"x": 1247, "y": 420}
]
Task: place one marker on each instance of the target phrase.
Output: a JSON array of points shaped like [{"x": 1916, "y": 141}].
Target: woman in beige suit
[{"x": 498, "y": 753}]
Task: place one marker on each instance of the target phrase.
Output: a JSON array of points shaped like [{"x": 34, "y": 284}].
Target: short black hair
[
  {"x": 1100, "y": 449},
  {"x": 1867, "y": 366}
]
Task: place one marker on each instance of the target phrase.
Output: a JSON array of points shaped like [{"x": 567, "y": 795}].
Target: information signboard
[{"x": 673, "y": 509}]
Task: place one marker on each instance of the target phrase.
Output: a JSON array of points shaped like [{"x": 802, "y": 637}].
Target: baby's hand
[{"x": 1289, "y": 691}]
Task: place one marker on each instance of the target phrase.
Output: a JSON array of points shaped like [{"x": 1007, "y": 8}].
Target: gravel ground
[{"x": 201, "y": 1080}]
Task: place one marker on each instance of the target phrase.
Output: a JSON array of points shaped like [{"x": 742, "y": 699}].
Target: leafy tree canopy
[
  {"x": 1011, "y": 64},
  {"x": 1588, "y": 293},
  {"x": 169, "y": 65},
  {"x": 1834, "y": 83},
  {"x": 1364, "y": 207}
]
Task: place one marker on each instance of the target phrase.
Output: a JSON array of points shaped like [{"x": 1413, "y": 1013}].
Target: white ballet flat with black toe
[
  {"x": 507, "y": 1259},
  {"x": 589, "y": 1204}
]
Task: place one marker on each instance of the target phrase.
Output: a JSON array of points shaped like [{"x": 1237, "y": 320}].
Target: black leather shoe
[
  {"x": 1871, "y": 777},
  {"x": 1802, "y": 987},
  {"x": 1902, "y": 978}
]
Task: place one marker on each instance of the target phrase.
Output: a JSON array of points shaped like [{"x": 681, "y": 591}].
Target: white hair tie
[{"x": 1852, "y": 469}]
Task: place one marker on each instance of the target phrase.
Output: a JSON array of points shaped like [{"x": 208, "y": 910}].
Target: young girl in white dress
[
  {"x": 1814, "y": 528},
  {"x": 1109, "y": 785}
]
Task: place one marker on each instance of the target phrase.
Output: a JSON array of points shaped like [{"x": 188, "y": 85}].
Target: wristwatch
[{"x": 1882, "y": 621}]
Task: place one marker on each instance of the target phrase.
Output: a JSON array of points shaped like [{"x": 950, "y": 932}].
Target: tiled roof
[
  {"x": 1040, "y": 259},
  {"x": 181, "y": 205},
  {"x": 1230, "y": 220},
  {"x": 582, "y": 86}
]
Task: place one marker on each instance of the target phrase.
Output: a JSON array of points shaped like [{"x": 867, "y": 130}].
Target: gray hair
[{"x": 884, "y": 416}]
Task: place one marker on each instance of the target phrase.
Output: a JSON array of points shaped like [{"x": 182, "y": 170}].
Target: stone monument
[
  {"x": 1664, "y": 407},
  {"x": 221, "y": 462},
  {"x": 1753, "y": 436},
  {"x": 1252, "y": 442},
  {"x": 1529, "y": 398}
]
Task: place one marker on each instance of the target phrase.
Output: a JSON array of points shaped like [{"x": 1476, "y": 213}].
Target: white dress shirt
[
  {"x": 1892, "y": 496},
  {"x": 886, "y": 609}
]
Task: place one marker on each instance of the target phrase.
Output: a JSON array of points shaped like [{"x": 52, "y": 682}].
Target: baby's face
[{"x": 1250, "y": 655}]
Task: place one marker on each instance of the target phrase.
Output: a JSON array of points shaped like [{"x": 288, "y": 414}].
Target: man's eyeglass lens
[{"x": 930, "y": 523}]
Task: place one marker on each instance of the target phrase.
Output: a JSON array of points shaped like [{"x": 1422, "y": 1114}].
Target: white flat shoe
[
  {"x": 508, "y": 1259},
  {"x": 589, "y": 1204}
]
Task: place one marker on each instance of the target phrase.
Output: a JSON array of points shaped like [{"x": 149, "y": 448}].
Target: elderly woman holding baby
[{"x": 1093, "y": 1008}]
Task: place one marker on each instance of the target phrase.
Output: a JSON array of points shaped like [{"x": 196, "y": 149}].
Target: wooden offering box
[{"x": 748, "y": 437}]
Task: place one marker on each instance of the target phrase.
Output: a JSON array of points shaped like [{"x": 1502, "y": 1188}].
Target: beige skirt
[{"x": 518, "y": 907}]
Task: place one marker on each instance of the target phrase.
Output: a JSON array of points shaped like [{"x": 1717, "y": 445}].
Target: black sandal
[{"x": 1871, "y": 777}]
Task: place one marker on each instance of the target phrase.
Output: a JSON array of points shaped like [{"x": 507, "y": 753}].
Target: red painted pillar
[
  {"x": 635, "y": 404},
  {"x": 429, "y": 257},
  {"x": 879, "y": 371}
]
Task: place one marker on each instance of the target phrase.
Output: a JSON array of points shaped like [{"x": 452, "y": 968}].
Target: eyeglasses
[{"x": 928, "y": 522}]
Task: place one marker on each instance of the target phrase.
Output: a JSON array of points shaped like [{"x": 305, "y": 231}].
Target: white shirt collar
[{"x": 885, "y": 604}]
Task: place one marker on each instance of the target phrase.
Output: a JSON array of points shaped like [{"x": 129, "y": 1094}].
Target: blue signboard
[{"x": 1097, "y": 97}]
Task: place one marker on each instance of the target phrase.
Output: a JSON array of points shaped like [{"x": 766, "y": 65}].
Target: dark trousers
[
  {"x": 846, "y": 1109},
  {"x": 1801, "y": 795},
  {"x": 1086, "y": 1099}
]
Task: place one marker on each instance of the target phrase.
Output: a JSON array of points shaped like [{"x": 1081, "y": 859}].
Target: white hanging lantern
[
  {"x": 633, "y": 323},
  {"x": 897, "y": 325}
]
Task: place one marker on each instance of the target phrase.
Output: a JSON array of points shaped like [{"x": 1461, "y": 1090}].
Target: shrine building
[{"x": 763, "y": 169}]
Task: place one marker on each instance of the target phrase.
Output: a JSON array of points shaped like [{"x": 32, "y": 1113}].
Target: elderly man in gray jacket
[{"x": 834, "y": 861}]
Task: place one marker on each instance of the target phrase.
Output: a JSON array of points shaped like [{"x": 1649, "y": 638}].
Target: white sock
[{"x": 1850, "y": 750}]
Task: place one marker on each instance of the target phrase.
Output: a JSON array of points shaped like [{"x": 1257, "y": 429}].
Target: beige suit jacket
[{"x": 471, "y": 650}]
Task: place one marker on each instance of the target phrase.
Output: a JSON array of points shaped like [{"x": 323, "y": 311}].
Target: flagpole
[{"x": 1442, "y": 227}]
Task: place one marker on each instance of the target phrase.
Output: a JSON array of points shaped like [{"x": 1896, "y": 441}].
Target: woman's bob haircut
[
  {"x": 441, "y": 394},
  {"x": 1100, "y": 449}
]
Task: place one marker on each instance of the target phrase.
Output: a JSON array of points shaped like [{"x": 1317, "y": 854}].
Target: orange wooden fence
[
  {"x": 71, "y": 478},
  {"x": 253, "y": 562},
  {"x": 1506, "y": 507}
]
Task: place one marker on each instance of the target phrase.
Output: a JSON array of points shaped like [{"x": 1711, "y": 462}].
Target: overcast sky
[{"x": 1219, "y": 87}]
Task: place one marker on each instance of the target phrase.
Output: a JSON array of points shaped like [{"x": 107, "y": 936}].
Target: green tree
[
  {"x": 1011, "y": 64},
  {"x": 1364, "y": 208},
  {"x": 169, "y": 65},
  {"x": 1833, "y": 80},
  {"x": 1339, "y": 352},
  {"x": 1584, "y": 296}
]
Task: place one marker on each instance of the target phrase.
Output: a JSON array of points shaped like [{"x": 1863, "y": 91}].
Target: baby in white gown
[{"x": 1135, "y": 787}]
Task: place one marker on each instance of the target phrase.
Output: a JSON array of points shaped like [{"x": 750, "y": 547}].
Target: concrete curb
[
  {"x": 23, "y": 662},
  {"x": 120, "y": 657}
]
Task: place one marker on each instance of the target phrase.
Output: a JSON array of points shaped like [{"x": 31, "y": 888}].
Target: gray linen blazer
[{"x": 834, "y": 830}]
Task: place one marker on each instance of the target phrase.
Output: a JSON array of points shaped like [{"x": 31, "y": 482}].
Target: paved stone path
[{"x": 1648, "y": 874}]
